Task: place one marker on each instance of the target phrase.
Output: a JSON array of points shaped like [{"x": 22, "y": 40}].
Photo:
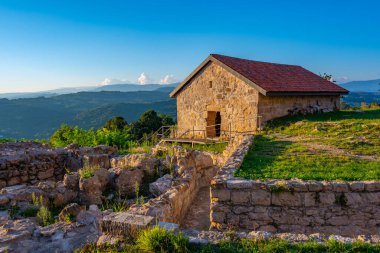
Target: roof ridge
[{"x": 244, "y": 59}]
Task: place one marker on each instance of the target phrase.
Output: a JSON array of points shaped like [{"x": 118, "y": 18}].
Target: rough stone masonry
[
  {"x": 31, "y": 162},
  {"x": 344, "y": 208}
]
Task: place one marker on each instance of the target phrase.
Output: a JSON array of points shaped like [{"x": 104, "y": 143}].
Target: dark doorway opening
[
  {"x": 218, "y": 121},
  {"x": 214, "y": 121}
]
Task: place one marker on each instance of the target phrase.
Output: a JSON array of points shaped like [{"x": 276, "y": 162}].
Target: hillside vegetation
[
  {"x": 341, "y": 145},
  {"x": 116, "y": 132},
  {"x": 38, "y": 118}
]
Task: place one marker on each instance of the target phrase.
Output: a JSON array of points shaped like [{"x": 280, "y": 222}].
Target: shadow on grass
[{"x": 261, "y": 156}]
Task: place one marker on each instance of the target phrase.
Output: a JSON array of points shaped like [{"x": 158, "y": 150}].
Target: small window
[{"x": 210, "y": 84}]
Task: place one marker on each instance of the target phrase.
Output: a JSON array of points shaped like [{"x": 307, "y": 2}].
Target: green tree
[
  {"x": 116, "y": 123},
  {"x": 327, "y": 77},
  {"x": 148, "y": 123},
  {"x": 167, "y": 120}
]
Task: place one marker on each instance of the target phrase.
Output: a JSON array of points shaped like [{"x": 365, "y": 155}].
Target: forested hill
[{"x": 40, "y": 117}]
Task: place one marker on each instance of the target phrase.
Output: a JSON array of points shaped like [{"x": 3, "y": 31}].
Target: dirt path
[
  {"x": 319, "y": 146},
  {"x": 198, "y": 216}
]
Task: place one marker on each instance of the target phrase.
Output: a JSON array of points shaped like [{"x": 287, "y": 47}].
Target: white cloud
[
  {"x": 144, "y": 79},
  {"x": 342, "y": 79},
  {"x": 108, "y": 81},
  {"x": 168, "y": 79}
]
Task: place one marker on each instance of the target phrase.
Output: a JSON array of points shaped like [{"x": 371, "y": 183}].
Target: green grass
[
  {"x": 352, "y": 132},
  {"x": 355, "y": 131},
  {"x": 88, "y": 171},
  {"x": 160, "y": 240}
]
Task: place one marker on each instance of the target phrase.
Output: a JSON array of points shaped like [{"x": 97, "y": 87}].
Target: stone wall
[
  {"x": 30, "y": 162},
  {"x": 344, "y": 208},
  {"x": 193, "y": 170},
  {"x": 238, "y": 103},
  {"x": 271, "y": 107}
]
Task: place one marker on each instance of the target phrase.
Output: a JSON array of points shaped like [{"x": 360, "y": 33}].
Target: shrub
[
  {"x": 44, "y": 216},
  {"x": 69, "y": 218},
  {"x": 13, "y": 210},
  {"x": 160, "y": 240},
  {"x": 116, "y": 206},
  {"x": 139, "y": 199},
  {"x": 279, "y": 187},
  {"x": 30, "y": 212},
  {"x": 88, "y": 171}
]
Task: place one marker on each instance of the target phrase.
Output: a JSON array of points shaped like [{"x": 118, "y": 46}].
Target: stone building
[{"x": 227, "y": 94}]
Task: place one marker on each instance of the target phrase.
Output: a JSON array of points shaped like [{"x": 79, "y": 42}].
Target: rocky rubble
[
  {"x": 214, "y": 237},
  {"x": 191, "y": 170},
  {"x": 31, "y": 162},
  {"x": 25, "y": 235}
]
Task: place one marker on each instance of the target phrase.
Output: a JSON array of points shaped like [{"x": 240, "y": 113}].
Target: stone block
[
  {"x": 232, "y": 219},
  {"x": 246, "y": 223},
  {"x": 338, "y": 220},
  {"x": 355, "y": 199},
  {"x": 327, "y": 186},
  {"x": 257, "y": 184},
  {"x": 261, "y": 197},
  {"x": 372, "y": 186},
  {"x": 239, "y": 197},
  {"x": 340, "y": 187},
  {"x": 101, "y": 160},
  {"x": 373, "y": 197},
  {"x": 260, "y": 217},
  {"x": 218, "y": 217},
  {"x": 298, "y": 185},
  {"x": 45, "y": 174},
  {"x": 221, "y": 194},
  {"x": 287, "y": 199},
  {"x": 310, "y": 199},
  {"x": 124, "y": 223},
  {"x": 239, "y": 184},
  {"x": 169, "y": 226},
  {"x": 268, "y": 228},
  {"x": 14, "y": 181},
  {"x": 327, "y": 198},
  {"x": 357, "y": 186},
  {"x": 315, "y": 186},
  {"x": 242, "y": 209}
]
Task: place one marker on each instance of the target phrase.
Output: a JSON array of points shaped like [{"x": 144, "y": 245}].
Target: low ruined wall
[
  {"x": 345, "y": 208},
  {"x": 195, "y": 170},
  {"x": 30, "y": 162}
]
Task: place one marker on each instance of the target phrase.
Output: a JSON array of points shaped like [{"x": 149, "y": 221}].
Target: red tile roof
[{"x": 279, "y": 78}]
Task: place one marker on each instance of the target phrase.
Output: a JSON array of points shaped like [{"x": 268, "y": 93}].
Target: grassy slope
[{"x": 286, "y": 148}]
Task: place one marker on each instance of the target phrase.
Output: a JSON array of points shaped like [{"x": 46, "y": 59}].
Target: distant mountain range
[
  {"x": 354, "y": 86},
  {"x": 69, "y": 90},
  {"x": 39, "y": 117},
  {"x": 362, "y": 86},
  {"x": 39, "y": 114}
]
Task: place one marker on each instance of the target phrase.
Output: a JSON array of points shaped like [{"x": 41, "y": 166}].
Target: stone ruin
[
  {"x": 180, "y": 174},
  {"x": 169, "y": 185}
]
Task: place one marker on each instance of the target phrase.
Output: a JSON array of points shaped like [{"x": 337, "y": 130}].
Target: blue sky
[{"x": 47, "y": 44}]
